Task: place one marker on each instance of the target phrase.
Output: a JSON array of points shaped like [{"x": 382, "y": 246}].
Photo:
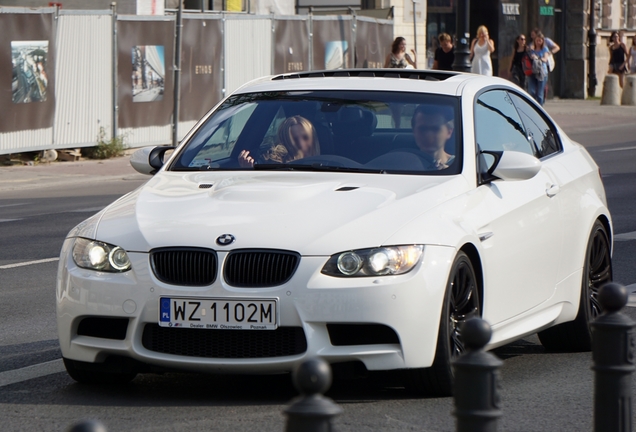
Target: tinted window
[
  {"x": 541, "y": 134},
  {"x": 358, "y": 131},
  {"x": 498, "y": 126}
]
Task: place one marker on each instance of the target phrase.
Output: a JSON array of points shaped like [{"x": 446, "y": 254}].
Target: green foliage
[{"x": 106, "y": 148}]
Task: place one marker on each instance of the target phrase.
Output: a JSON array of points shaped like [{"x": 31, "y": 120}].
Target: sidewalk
[
  {"x": 574, "y": 116},
  {"x": 65, "y": 173}
]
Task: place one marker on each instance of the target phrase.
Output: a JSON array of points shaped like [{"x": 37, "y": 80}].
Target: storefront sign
[
  {"x": 546, "y": 10},
  {"x": 510, "y": 8}
]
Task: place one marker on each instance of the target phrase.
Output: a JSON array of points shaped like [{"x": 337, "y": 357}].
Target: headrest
[{"x": 356, "y": 121}]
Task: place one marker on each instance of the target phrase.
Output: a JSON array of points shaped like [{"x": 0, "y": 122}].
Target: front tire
[
  {"x": 575, "y": 336},
  {"x": 461, "y": 302}
]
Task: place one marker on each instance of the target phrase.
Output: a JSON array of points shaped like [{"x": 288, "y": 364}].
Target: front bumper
[{"x": 409, "y": 304}]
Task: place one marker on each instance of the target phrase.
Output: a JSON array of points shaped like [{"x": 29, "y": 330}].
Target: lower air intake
[{"x": 228, "y": 344}]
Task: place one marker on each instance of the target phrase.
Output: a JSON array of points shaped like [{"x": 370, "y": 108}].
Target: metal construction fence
[{"x": 76, "y": 72}]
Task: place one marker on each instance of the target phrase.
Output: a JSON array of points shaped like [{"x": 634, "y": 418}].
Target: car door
[
  {"x": 543, "y": 134},
  {"x": 522, "y": 238}
]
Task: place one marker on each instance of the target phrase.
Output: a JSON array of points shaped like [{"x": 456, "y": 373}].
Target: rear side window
[{"x": 540, "y": 132}]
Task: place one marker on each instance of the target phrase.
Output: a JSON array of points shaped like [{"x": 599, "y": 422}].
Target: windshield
[{"x": 356, "y": 131}]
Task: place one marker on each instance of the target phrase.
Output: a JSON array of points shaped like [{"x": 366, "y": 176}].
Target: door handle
[{"x": 552, "y": 190}]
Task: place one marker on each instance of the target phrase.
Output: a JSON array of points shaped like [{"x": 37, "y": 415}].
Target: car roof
[{"x": 406, "y": 80}]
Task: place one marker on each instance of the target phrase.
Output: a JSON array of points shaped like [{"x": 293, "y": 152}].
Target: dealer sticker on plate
[{"x": 218, "y": 314}]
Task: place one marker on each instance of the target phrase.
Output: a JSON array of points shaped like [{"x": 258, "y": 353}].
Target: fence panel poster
[
  {"x": 27, "y": 71},
  {"x": 373, "y": 43},
  {"x": 291, "y": 42},
  {"x": 201, "y": 67},
  {"x": 145, "y": 80},
  {"x": 332, "y": 44}
]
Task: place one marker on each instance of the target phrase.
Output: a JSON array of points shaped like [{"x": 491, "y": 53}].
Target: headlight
[
  {"x": 381, "y": 261},
  {"x": 95, "y": 255}
]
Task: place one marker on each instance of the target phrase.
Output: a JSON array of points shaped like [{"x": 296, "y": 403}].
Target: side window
[
  {"x": 541, "y": 134},
  {"x": 498, "y": 126},
  {"x": 221, "y": 143},
  {"x": 271, "y": 136}
]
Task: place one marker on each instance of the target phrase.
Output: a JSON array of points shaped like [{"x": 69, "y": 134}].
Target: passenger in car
[
  {"x": 297, "y": 139},
  {"x": 432, "y": 128}
]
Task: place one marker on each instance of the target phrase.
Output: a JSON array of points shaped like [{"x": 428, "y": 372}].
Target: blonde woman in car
[{"x": 297, "y": 139}]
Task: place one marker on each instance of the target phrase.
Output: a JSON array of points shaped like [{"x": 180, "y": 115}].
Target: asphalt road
[{"x": 540, "y": 391}]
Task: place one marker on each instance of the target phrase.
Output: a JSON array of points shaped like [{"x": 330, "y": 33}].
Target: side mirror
[
  {"x": 511, "y": 166},
  {"x": 149, "y": 160}
]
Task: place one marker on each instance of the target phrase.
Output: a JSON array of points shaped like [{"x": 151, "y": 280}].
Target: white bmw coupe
[{"x": 357, "y": 216}]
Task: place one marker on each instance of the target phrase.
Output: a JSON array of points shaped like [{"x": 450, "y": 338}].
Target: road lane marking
[
  {"x": 619, "y": 149},
  {"x": 86, "y": 210},
  {"x": 13, "y": 205},
  {"x": 9, "y": 220},
  {"x": 22, "y": 264},
  {"x": 625, "y": 236},
  {"x": 31, "y": 372}
]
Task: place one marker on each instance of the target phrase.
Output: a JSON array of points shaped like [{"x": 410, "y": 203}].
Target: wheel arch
[
  {"x": 608, "y": 227},
  {"x": 473, "y": 255}
]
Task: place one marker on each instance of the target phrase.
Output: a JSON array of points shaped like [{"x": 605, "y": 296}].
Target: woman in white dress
[{"x": 480, "y": 51}]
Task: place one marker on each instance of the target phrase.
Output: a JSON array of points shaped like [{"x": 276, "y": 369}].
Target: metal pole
[
  {"x": 613, "y": 355},
  {"x": 591, "y": 53},
  {"x": 476, "y": 381},
  {"x": 415, "y": 28},
  {"x": 177, "y": 76},
  {"x": 462, "y": 47},
  {"x": 113, "y": 7},
  {"x": 312, "y": 412}
]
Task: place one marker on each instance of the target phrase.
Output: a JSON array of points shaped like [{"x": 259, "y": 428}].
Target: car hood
[{"x": 311, "y": 213}]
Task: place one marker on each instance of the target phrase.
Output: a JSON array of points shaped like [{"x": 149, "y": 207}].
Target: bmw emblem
[{"x": 225, "y": 239}]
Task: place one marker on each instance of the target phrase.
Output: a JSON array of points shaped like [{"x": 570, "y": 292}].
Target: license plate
[{"x": 218, "y": 314}]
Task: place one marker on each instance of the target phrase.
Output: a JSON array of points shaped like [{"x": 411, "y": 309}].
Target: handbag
[
  {"x": 551, "y": 62},
  {"x": 526, "y": 65}
]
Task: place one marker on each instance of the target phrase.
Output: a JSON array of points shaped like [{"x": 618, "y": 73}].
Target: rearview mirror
[
  {"x": 149, "y": 160},
  {"x": 510, "y": 165}
]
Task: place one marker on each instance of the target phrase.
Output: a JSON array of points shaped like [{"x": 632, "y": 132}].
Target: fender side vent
[
  {"x": 205, "y": 185},
  {"x": 347, "y": 188}
]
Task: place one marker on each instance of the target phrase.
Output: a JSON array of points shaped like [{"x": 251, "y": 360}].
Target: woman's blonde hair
[
  {"x": 286, "y": 150},
  {"x": 481, "y": 29},
  {"x": 539, "y": 36}
]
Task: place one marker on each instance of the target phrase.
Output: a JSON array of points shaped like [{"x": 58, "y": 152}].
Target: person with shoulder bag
[
  {"x": 516, "y": 66},
  {"x": 539, "y": 78}
]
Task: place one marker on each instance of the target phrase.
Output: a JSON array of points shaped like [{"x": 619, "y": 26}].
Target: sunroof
[{"x": 427, "y": 75}]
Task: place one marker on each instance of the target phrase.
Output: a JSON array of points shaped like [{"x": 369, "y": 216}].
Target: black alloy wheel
[
  {"x": 575, "y": 336},
  {"x": 599, "y": 270},
  {"x": 461, "y": 302}
]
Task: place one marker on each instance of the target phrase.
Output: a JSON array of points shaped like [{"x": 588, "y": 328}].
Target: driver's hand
[{"x": 245, "y": 160}]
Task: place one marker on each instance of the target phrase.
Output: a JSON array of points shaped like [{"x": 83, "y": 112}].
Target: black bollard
[
  {"x": 311, "y": 411},
  {"x": 87, "y": 426},
  {"x": 613, "y": 355},
  {"x": 476, "y": 380}
]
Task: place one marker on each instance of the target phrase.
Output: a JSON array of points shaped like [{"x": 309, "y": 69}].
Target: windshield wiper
[{"x": 314, "y": 167}]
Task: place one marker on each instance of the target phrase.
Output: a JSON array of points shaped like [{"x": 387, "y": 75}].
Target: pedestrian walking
[
  {"x": 398, "y": 58},
  {"x": 618, "y": 57},
  {"x": 516, "y": 67},
  {"x": 632, "y": 56},
  {"x": 552, "y": 46},
  {"x": 480, "y": 51},
  {"x": 537, "y": 81},
  {"x": 444, "y": 54}
]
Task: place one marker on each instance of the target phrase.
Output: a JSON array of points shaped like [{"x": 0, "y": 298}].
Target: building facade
[{"x": 564, "y": 21}]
